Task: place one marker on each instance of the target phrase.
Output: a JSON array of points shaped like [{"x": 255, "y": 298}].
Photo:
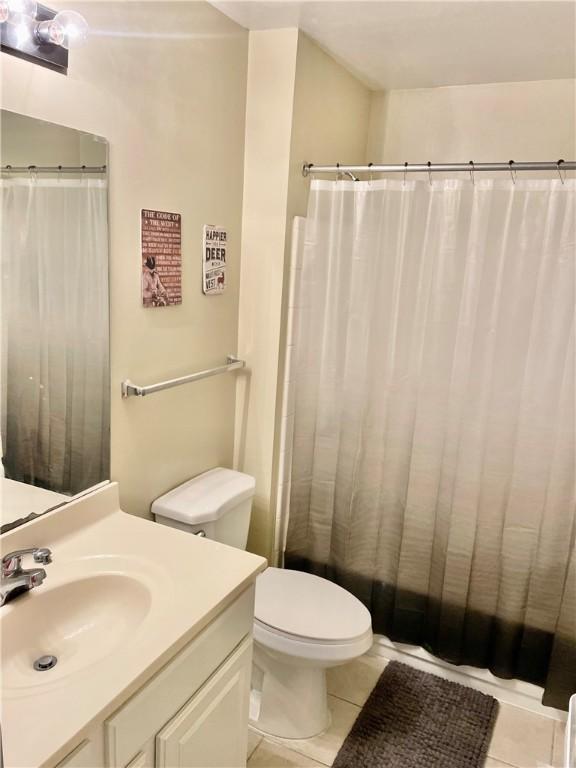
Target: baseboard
[{"x": 515, "y": 692}]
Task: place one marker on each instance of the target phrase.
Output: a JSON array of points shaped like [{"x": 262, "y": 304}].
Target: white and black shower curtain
[
  {"x": 55, "y": 380},
  {"x": 433, "y": 457}
]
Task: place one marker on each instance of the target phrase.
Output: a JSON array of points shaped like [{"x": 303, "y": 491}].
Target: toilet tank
[{"x": 216, "y": 504}]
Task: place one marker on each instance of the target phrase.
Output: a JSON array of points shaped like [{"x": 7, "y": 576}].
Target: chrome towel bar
[{"x": 129, "y": 389}]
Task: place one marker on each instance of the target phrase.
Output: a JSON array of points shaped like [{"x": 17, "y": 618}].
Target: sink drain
[{"x": 44, "y": 663}]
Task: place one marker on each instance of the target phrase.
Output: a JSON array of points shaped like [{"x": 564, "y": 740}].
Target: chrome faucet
[{"x": 15, "y": 579}]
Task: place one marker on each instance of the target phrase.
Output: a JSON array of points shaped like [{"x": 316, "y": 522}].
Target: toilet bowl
[{"x": 303, "y": 624}]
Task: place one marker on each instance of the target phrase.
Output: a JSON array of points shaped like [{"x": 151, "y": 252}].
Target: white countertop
[
  {"x": 19, "y": 500},
  {"x": 190, "y": 580}
]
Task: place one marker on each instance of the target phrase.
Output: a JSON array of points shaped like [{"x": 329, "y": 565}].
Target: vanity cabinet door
[
  {"x": 144, "y": 758},
  {"x": 135, "y": 725},
  {"x": 212, "y": 728}
]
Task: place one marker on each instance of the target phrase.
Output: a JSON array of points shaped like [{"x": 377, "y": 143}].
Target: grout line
[
  {"x": 309, "y": 757},
  {"x": 280, "y": 743},
  {"x": 286, "y": 743},
  {"x": 341, "y": 698},
  {"x": 359, "y": 707}
]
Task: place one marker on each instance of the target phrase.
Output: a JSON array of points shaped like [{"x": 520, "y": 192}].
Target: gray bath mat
[{"x": 416, "y": 720}]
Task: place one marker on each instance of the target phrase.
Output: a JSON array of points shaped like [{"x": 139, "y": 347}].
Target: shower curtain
[
  {"x": 55, "y": 369},
  {"x": 433, "y": 450}
]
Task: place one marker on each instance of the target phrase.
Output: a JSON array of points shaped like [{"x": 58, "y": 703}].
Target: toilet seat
[
  {"x": 308, "y": 617},
  {"x": 303, "y": 648}
]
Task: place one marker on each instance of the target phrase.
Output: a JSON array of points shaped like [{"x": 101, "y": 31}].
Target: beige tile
[
  {"x": 254, "y": 739},
  {"x": 353, "y": 682},
  {"x": 324, "y": 748},
  {"x": 270, "y": 755},
  {"x": 491, "y": 763},
  {"x": 558, "y": 744},
  {"x": 522, "y": 738}
]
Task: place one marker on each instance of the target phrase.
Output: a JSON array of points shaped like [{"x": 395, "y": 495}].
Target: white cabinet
[
  {"x": 194, "y": 712},
  {"x": 211, "y": 730},
  {"x": 143, "y": 759}
]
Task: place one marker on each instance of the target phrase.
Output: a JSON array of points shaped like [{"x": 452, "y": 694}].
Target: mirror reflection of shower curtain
[
  {"x": 433, "y": 450},
  {"x": 55, "y": 367}
]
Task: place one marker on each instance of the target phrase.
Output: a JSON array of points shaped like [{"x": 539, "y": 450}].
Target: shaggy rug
[{"x": 416, "y": 720}]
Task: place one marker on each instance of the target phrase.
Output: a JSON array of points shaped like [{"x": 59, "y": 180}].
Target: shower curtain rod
[
  {"x": 512, "y": 166},
  {"x": 53, "y": 169}
]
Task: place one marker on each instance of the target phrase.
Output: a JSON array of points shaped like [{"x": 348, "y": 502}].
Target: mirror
[{"x": 54, "y": 374}]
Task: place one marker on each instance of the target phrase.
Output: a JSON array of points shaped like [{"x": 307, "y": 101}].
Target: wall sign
[
  {"x": 214, "y": 259},
  {"x": 161, "y": 235}
]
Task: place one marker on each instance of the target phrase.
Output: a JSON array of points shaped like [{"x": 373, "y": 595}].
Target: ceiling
[{"x": 403, "y": 44}]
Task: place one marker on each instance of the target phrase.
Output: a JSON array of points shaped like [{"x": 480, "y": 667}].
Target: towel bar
[{"x": 129, "y": 389}]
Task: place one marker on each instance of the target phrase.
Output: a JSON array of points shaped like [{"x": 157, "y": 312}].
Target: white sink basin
[{"x": 80, "y": 622}]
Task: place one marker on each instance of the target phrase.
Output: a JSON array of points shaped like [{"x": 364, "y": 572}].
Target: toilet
[{"x": 303, "y": 624}]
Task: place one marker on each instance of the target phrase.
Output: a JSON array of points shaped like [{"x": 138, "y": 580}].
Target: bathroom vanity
[{"x": 152, "y": 631}]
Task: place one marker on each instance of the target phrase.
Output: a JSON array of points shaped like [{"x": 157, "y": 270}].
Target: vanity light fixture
[{"x": 38, "y": 34}]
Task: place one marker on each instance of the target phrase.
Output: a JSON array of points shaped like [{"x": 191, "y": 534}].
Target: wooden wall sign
[
  {"x": 214, "y": 252},
  {"x": 161, "y": 237}
]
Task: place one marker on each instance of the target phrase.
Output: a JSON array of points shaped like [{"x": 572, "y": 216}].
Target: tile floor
[{"x": 521, "y": 739}]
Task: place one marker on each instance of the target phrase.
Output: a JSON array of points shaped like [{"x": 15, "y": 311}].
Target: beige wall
[
  {"x": 330, "y": 118},
  {"x": 302, "y": 105},
  {"x": 25, "y": 141},
  {"x": 498, "y": 122},
  {"x": 271, "y": 77},
  {"x": 165, "y": 83}
]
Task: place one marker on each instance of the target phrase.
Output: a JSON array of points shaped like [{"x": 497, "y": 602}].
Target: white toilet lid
[{"x": 308, "y": 606}]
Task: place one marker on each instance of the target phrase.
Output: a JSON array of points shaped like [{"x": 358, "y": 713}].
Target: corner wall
[
  {"x": 302, "y": 106},
  {"x": 269, "y": 106}
]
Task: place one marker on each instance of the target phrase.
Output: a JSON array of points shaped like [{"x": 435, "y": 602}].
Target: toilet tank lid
[{"x": 206, "y": 497}]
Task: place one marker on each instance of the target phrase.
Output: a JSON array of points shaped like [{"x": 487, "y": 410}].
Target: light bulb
[{"x": 68, "y": 29}]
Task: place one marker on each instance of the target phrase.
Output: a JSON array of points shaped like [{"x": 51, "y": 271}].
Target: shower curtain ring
[
  {"x": 338, "y": 175},
  {"x": 558, "y": 164},
  {"x": 512, "y": 171},
  {"x": 405, "y": 171},
  {"x": 33, "y": 170},
  {"x": 471, "y": 164},
  {"x": 370, "y": 176},
  {"x": 429, "y": 164}
]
